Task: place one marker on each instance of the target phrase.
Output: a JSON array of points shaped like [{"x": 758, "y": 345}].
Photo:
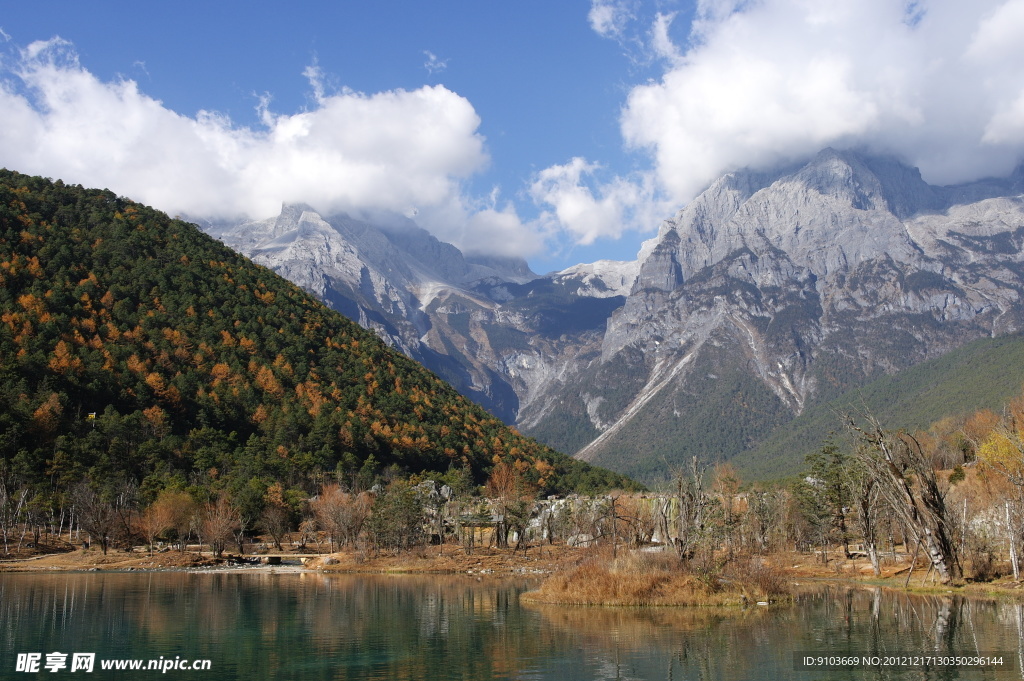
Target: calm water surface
[{"x": 256, "y": 626}]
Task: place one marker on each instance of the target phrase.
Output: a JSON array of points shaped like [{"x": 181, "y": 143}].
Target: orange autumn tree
[{"x": 513, "y": 494}]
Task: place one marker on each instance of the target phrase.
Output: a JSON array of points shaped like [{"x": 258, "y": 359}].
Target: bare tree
[
  {"x": 693, "y": 503},
  {"x": 727, "y": 488},
  {"x": 341, "y": 514},
  {"x": 275, "y": 519},
  {"x": 125, "y": 502},
  {"x": 638, "y": 517},
  {"x": 12, "y": 503},
  {"x": 765, "y": 518},
  {"x": 96, "y": 514},
  {"x": 217, "y": 523},
  {"x": 154, "y": 521},
  {"x": 909, "y": 486},
  {"x": 275, "y": 522},
  {"x": 513, "y": 496},
  {"x": 308, "y": 530},
  {"x": 866, "y": 493}
]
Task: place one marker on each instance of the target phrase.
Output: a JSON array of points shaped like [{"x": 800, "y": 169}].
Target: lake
[{"x": 258, "y": 625}]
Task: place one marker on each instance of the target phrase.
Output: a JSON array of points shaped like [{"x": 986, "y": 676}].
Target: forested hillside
[
  {"x": 983, "y": 375},
  {"x": 134, "y": 348}
]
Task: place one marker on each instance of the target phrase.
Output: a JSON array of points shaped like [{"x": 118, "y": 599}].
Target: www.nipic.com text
[{"x": 86, "y": 662}]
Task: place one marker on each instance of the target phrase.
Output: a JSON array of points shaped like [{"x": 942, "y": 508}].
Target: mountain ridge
[{"x": 770, "y": 291}]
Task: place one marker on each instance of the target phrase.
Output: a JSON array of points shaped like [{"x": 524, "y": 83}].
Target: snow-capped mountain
[{"x": 769, "y": 291}]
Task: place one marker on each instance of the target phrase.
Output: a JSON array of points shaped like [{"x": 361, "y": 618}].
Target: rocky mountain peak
[
  {"x": 838, "y": 208},
  {"x": 601, "y": 279},
  {"x": 292, "y": 213},
  {"x": 842, "y": 178},
  {"x": 905, "y": 191},
  {"x": 661, "y": 271}
]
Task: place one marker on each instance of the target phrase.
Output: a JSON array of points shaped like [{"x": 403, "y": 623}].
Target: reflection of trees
[
  {"x": 619, "y": 642},
  {"x": 636, "y": 627},
  {"x": 310, "y": 626},
  {"x": 759, "y": 643},
  {"x": 284, "y": 626},
  {"x": 878, "y": 622}
]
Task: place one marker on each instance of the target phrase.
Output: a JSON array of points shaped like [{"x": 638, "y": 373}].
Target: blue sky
[{"x": 560, "y": 131}]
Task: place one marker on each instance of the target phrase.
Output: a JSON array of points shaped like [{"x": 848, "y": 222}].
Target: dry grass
[
  {"x": 644, "y": 579},
  {"x": 757, "y": 578}
]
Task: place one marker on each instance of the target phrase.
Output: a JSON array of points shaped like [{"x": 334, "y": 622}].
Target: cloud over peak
[{"x": 937, "y": 82}]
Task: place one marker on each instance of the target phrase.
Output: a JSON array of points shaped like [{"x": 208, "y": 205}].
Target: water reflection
[
  {"x": 312, "y": 626},
  {"x": 759, "y": 643}
]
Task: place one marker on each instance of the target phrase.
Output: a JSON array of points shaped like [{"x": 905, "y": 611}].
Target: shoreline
[
  {"x": 483, "y": 562},
  {"x": 432, "y": 560}
]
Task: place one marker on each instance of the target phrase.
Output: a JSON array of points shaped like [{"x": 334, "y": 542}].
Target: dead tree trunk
[
  {"x": 908, "y": 484},
  {"x": 866, "y": 498},
  {"x": 690, "y": 519}
]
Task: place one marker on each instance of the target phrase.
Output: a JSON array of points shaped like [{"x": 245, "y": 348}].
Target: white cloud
[
  {"x": 589, "y": 209},
  {"x": 406, "y": 152},
  {"x": 501, "y": 232},
  {"x": 661, "y": 42},
  {"x": 938, "y": 82},
  {"x": 642, "y": 32},
  {"x": 316, "y": 77},
  {"x": 434, "y": 64},
  {"x": 609, "y": 18}
]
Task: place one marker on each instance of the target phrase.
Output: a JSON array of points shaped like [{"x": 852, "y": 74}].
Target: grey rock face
[
  {"x": 811, "y": 280},
  {"x": 661, "y": 270}
]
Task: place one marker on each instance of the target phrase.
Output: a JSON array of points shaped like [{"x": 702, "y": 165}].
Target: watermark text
[{"x": 87, "y": 662}]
